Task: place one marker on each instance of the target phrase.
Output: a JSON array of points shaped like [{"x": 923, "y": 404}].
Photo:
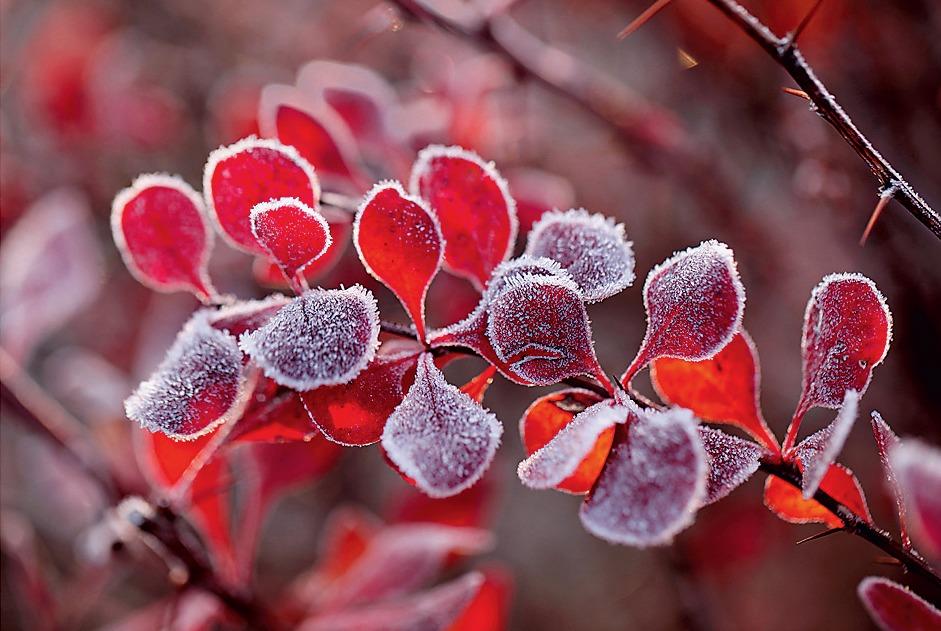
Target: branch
[{"x": 785, "y": 52}]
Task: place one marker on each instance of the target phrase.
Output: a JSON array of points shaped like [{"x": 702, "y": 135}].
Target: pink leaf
[
  {"x": 731, "y": 462},
  {"x": 198, "y": 386},
  {"x": 160, "y": 228},
  {"x": 561, "y": 457},
  {"x": 917, "y": 467},
  {"x": 324, "y": 337},
  {"x": 247, "y": 173},
  {"x": 439, "y": 436},
  {"x": 894, "y": 607},
  {"x": 294, "y": 235},
  {"x": 399, "y": 242},
  {"x": 819, "y": 450},
  {"x": 476, "y": 211},
  {"x": 886, "y": 440},
  {"x": 653, "y": 482},
  {"x": 694, "y": 303},
  {"x": 591, "y": 248}
]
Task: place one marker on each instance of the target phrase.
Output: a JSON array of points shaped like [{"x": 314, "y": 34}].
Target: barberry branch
[{"x": 785, "y": 52}]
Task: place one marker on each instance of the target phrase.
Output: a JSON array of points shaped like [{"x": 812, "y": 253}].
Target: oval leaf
[
  {"x": 894, "y": 607},
  {"x": 159, "y": 225},
  {"x": 438, "y": 436},
  {"x": 324, "y": 337},
  {"x": 294, "y": 235},
  {"x": 474, "y": 206},
  {"x": 731, "y": 462},
  {"x": 340, "y": 225}
]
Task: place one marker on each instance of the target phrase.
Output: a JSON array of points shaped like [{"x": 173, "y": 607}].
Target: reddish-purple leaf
[
  {"x": 160, "y": 228},
  {"x": 653, "y": 482},
  {"x": 439, "y": 436},
  {"x": 476, "y": 211},
  {"x": 694, "y": 303},
  {"x": 819, "y": 450},
  {"x": 324, "y": 337},
  {"x": 279, "y": 419},
  {"x": 917, "y": 467},
  {"x": 355, "y": 413},
  {"x": 247, "y": 315},
  {"x": 731, "y": 462},
  {"x": 561, "y": 457},
  {"x": 886, "y": 440},
  {"x": 198, "y": 386},
  {"x": 247, "y": 173},
  {"x": 294, "y": 235},
  {"x": 591, "y": 248},
  {"x": 894, "y": 607},
  {"x": 399, "y": 242}
]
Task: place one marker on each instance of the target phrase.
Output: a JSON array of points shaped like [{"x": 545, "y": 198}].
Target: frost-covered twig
[{"x": 785, "y": 52}]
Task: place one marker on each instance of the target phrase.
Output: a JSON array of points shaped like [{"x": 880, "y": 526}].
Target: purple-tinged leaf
[
  {"x": 917, "y": 467},
  {"x": 886, "y": 440},
  {"x": 819, "y": 450},
  {"x": 731, "y": 462},
  {"x": 894, "y": 607}
]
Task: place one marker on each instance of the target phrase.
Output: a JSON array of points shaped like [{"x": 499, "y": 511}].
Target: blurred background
[{"x": 95, "y": 92}]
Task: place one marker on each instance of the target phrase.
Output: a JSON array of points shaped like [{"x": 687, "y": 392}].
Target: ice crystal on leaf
[
  {"x": 474, "y": 206},
  {"x": 591, "y": 248},
  {"x": 917, "y": 468},
  {"x": 653, "y": 481},
  {"x": 731, "y": 462},
  {"x": 199, "y": 385},
  {"x": 246, "y": 316},
  {"x": 400, "y": 244},
  {"x": 886, "y": 440},
  {"x": 324, "y": 337},
  {"x": 294, "y": 235},
  {"x": 894, "y": 607},
  {"x": 247, "y": 173},
  {"x": 438, "y": 436},
  {"x": 160, "y": 228},
  {"x": 818, "y": 451},
  {"x": 694, "y": 303}
]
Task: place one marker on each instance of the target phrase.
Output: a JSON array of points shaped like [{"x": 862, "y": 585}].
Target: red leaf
[
  {"x": 490, "y": 608},
  {"x": 324, "y": 337},
  {"x": 240, "y": 176},
  {"x": 476, "y": 211},
  {"x": 550, "y": 413},
  {"x": 787, "y": 502},
  {"x": 574, "y": 457},
  {"x": 917, "y": 467},
  {"x": 847, "y": 330},
  {"x": 894, "y": 607},
  {"x": 731, "y": 462},
  {"x": 294, "y": 235},
  {"x": 468, "y": 509},
  {"x": 247, "y": 315},
  {"x": 355, "y": 413},
  {"x": 314, "y": 129},
  {"x": 591, "y": 248},
  {"x": 340, "y": 226},
  {"x": 819, "y": 450},
  {"x": 886, "y": 440},
  {"x": 160, "y": 228},
  {"x": 723, "y": 389},
  {"x": 399, "y": 242},
  {"x": 694, "y": 303},
  {"x": 653, "y": 481},
  {"x": 439, "y": 436},
  {"x": 477, "y": 387},
  {"x": 199, "y": 385},
  {"x": 280, "y": 419},
  {"x": 346, "y": 536}
]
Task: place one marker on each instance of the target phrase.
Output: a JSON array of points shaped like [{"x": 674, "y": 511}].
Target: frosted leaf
[
  {"x": 294, "y": 235},
  {"x": 561, "y": 456},
  {"x": 474, "y": 206},
  {"x": 517, "y": 268},
  {"x": 694, "y": 302},
  {"x": 251, "y": 171},
  {"x": 786, "y": 501},
  {"x": 324, "y": 337},
  {"x": 894, "y": 607},
  {"x": 731, "y": 462},
  {"x": 653, "y": 482},
  {"x": 439, "y": 436},
  {"x": 198, "y": 386},
  {"x": 818, "y": 451},
  {"x": 431, "y": 610},
  {"x": 847, "y": 330},
  {"x": 886, "y": 440},
  {"x": 538, "y": 326},
  {"x": 917, "y": 467},
  {"x": 247, "y": 315},
  {"x": 592, "y": 248}
]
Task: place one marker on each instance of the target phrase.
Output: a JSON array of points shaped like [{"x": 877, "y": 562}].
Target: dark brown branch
[{"x": 785, "y": 52}]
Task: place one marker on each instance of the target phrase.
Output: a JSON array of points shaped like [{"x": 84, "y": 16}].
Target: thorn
[
  {"x": 686, "y": 60},
  {"x": 803, "y": 23},
  {"x": 887, "y": 560},
  {"x": 821, "y": 535},
  {"x": 796, "y": 92},
  {"x": 642, "y": 19},
  {"x": 884, "y": 199}
]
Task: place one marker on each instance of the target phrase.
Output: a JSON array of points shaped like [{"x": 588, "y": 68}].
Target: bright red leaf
[
  {"x": 340, "y": 225},
  {"x": 240, "y": 176},
  {"x": 477, "y": 387},
  {"x": 468, "y": 509},
  {"x": 917, "y": 467},
  {"x": 294, "y": 235},
  {"x": 550, "y": 413},
  {"x": 399, "y": 242},
  {"x": 894, "y": 607},
  {"x": 160, "y": 227},
  {"x": 490, "y": 608},
  {"x": 787, "y": 502},
  {"x": 476, "y": 211}
]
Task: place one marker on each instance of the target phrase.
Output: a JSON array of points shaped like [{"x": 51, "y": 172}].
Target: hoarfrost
[
  {"x": 818, "y": 451},
  {"x": 731, "y": 462}
]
